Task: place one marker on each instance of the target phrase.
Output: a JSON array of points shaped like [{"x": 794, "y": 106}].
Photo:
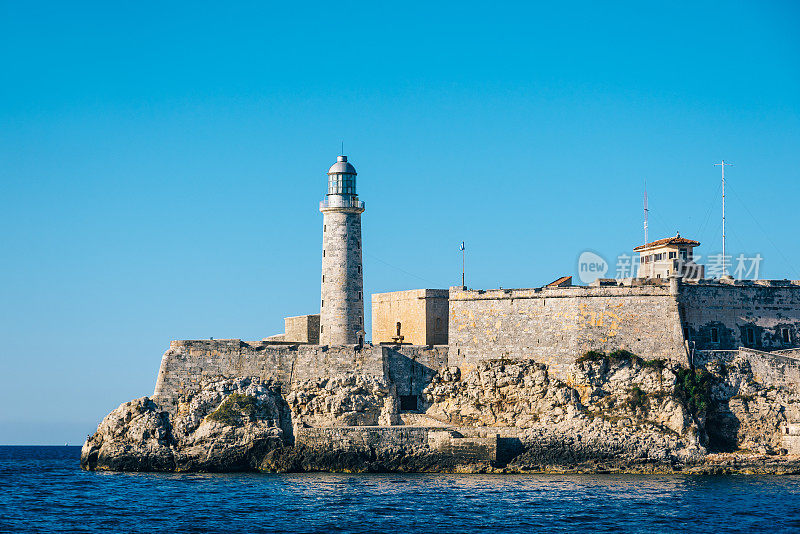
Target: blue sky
[{"x": 161, "y": 166}]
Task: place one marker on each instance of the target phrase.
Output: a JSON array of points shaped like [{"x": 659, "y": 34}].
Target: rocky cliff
[
  {"x": 228, "y": 426},
  {"x": 619, "y": 410},
  {"x": 613, "y": 412}
]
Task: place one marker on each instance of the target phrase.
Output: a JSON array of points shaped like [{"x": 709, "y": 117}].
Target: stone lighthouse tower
[{"x": 342, "y": 303}]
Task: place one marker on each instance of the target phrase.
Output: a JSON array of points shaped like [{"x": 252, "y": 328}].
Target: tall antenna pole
[
  {"x": 646, "y": 212},
  {"x": 723, "y": 165}
]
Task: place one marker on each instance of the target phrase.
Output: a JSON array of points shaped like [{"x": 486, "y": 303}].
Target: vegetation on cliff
[
  {"x": 693, "y": 387},
  {"x": 235, "y": 408},
  {"x": 620, "y": 357}
]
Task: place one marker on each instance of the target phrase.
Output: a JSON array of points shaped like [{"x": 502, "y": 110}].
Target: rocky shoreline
[{"x": 614, "y": 414}]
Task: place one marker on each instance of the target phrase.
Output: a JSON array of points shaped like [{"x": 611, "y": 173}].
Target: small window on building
[
  {"x": 715, "y": 335},
  {"x": 323, "y": 252},
  {"x": 323, "y": 304},
  {"x": 673, "y": 255},
  {"x": 321, "y": 327},
  {"x": 323, "y": 278},
  {"x": 324, "y": 227},
  {"x": 786, "y": 335},
  {"x": 359, "y": 269},
  {"x": 751, "y": 336},
  {"x": 359, "y": 295}
]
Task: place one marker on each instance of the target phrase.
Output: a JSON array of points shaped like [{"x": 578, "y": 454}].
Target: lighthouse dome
[{"x": 342, "y": 166}]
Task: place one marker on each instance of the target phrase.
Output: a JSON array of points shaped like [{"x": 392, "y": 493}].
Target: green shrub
[
  {"x": 234, "y": 408},
  {"x": 694, "y": 390},
  {"x": 592, "y": 356},
  {"x": 620, "y": 356}
]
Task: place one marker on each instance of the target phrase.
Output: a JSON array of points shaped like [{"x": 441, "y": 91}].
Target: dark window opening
[
  {"x": 323, "y": 252},
  {"x": 685, "y": 332},
  {"x": 408, "y": 403},
  {"x": 359, "y": 295},
  {"x": 751, "y": 336},
  {"x": 715, "y": 335},
  {"x": 323, "y": 304},
  {"x": 785, "y": 335}
]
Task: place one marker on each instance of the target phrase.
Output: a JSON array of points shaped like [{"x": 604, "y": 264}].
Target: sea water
[{"x": 43, "y": 489}]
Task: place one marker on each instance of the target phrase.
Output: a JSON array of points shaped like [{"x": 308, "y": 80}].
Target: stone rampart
[
  {"x": 187, "y": 363},
  {"x": 411, "y": 368},
  {"x": 762, "y": 314},
  {"x": 381, "y": 441},
  {"x": 556, "y": 325},
  {"x": 363, "y": 439}
]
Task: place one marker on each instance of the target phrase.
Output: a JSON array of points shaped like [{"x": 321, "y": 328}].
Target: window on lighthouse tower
[{"x": 342, "y": 184}]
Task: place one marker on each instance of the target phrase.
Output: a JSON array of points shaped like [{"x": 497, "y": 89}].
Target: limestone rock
[
  {"x": 134, "y": 437},
  {"x": 619, "y": 409},
  {"x": 227, "y": 426},
  {"x": 350, "y": 400},
  {"x": 746, "y": 412}
]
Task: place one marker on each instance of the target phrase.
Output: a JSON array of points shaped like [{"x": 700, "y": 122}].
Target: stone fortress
[
  {"x": 661, "y": 315},
  {"x": 473, "y": 373}
]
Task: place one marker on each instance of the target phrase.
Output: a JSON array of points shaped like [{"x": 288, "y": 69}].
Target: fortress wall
[
  {"x": 314, "y": 361},
  {"x": 411, "y": 368},
  {"x": 789, "y": 353},
  {"x": 364, "y": 439},
  {"x": 554, "y": 326},
  {"x": 764, "y": 306},
  {"x": 188, "y": 362},
  {"x": 387, "y": 442}
]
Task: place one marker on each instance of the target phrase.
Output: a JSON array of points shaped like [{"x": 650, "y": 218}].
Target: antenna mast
[
  {"x": 646, "y": 212},
  {"x": 723, "y": 165}
]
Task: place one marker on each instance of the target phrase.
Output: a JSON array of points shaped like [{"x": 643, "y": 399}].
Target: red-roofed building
[{"x": 671, "y": 255}]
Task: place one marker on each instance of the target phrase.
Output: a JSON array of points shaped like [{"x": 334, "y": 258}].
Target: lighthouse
[{"x": 342, "y": 296}]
